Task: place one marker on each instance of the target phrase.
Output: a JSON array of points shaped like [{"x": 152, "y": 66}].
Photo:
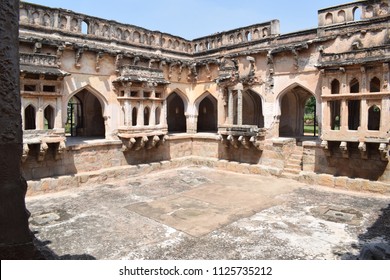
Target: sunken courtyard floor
[{"x": 201, "y": 213}]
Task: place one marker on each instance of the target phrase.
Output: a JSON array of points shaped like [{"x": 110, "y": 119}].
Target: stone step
[
  {"x": 293, "y": 166},
  {"x": 291, "y": 170},
  {"x": 289, "y": 176},
  {"x": 296, "y": 157},
  {"x": 294, "y": 161}
]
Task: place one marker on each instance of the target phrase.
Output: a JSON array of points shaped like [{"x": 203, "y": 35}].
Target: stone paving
[{"x": 201, "y": 213}]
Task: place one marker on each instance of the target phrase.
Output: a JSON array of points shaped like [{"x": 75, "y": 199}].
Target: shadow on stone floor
[
  {"x": 375, "y": 242},
  {"x": 45, "y": 253}
]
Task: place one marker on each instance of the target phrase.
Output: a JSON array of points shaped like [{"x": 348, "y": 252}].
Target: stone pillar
[
  {"x": 15, "y": 237},
  {"x": 364, "y": 87},
  {"x": 386, "y": 77},
  {"x": 239, "y": 107},
  {"x": 140, "y": 118},
  {"x": 230, "y": 106},
  {"x": 163, "y": 113},
  {"x": 128, "y": 114},
  {"x": 58, "y": 116},
  {"x": 326, "y": 123},
  {"x": 40, "y": 119},
  {"x": 363, "y": 115},
  {"x": 152, "y": 120},
  {"x": 344, "y": 116},
  {"x": 192, "y": 121}
]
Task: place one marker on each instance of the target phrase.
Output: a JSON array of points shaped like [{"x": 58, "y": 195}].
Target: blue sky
[{"x": 197, "y": 18}]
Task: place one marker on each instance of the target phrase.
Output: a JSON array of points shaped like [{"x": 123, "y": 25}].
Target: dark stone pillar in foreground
[{"x": 15, "y": 237}]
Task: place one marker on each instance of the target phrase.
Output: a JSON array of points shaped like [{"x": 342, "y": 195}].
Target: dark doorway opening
[
  {"x": 207, "y": 115},
  {"x": 176, "y": 118}
]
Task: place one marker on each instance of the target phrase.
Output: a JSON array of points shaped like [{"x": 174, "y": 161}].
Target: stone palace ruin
[{"x": 103, "y": 100}]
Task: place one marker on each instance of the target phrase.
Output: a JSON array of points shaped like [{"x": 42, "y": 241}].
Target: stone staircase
[{"x": 294, "y": 163}]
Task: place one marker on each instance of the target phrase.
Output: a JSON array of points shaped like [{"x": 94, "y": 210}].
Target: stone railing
[
  {"x": 60, "y": 20},
  {"x": 237, "y": 36},
  {"x": 67, "y": 21},
  {"x": 38, "y": 59},
  {"x": 357, "y": 56},
  {"x": 355, "y": 11}
]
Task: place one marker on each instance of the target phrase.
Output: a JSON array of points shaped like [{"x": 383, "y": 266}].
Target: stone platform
[{"x": 201, "y": 213}]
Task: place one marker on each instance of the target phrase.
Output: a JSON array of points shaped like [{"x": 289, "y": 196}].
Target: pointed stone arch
[
  {"x": 49, "y": 117},
  {"x": 93, "y": 106},
  {"x": 30, "y": 117},
  {"x": 291, "y": 102},
  {"x": 176, "y": 109},
  {"x": 206, "y": 107}
]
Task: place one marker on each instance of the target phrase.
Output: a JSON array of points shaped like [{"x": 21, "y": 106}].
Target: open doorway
[
  {"x": 85, "y": 116},
  {"x": 207, "y": 115},
  {"x": 298, "y": 104},
  {"x": 176, "y": 118}
]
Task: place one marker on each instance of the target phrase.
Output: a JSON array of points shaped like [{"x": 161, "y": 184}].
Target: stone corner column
[{"x": 15, "y": 236}]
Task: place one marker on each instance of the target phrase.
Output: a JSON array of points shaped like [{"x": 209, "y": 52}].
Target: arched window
[
  {"x": 157, "y": 115},
  {"x": 374, "y": 118},
  {"x": 146, "y": 115},
  {"x": 231, "y": 39},
  {"x": 46, "y": 20},
  {"x": 375, "y": 85},
  {"x": 357, "y": 14},
  {"x": 175, "y": 114},
  {"x": 119, "y": 33},
  {"x": 329, "y": 18},
  {"x": 341, "y": 16},
  {"x": 354, "y": 86},
  {"x": 36, "y": 18},
  {"x": 134, "y": 114},
  {"x": 335, "y": 86},
  {"x": 29, "y": 118},
  {"x": 369, "y": 12},
  {"x": 49, "y": 117},
  {"x": 248, "y": 36},
  {"x": 136, "y": 37},
  {"x": 265, "y": 32},
  {"x": 85, "y": 27},
  {"x": 383, "y": 9}
]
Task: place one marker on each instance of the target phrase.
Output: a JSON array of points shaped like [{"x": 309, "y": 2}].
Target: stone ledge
[
  {"x": 114, "y": 174},
  {"x": 358, "y": 184}
]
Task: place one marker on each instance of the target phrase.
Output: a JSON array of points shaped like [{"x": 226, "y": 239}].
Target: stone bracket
[
  {"x": 258, "y": 144},
  {"x": 237, "y": 141},
  {"x": 344, "y": 149},
  {"x": 325, "y": 147},
  {"x": 363, "y": 150},
  {"x": 60, "y": 150},
  {"x": 42, "y": 151},
  {"x": 26, "y": 149},
  {"x": 384, "y": 151},
  {"x": 138, "y": 143}
]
